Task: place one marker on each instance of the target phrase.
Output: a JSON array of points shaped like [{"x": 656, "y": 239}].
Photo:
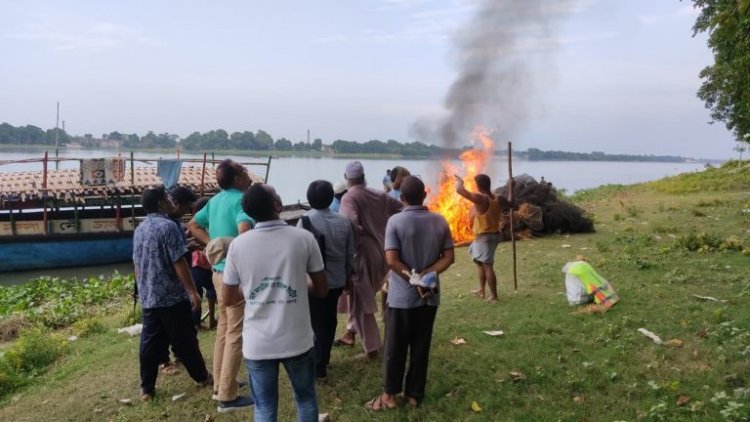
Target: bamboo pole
[
  {"x": 203, "y": 173},
  {"x": 511, "y": 200},
  {"x": 132, "y": 190},
  {"x": 268, "y": 168},
  {"x": 44, "y": 192}
]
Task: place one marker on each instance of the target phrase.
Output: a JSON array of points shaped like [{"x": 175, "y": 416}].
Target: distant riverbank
[{"x": 531, "y": 154}]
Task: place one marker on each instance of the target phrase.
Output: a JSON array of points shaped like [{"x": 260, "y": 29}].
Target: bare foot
[
  {"x": 492, "y": 299},
  {"x": 478, "y": 293}
]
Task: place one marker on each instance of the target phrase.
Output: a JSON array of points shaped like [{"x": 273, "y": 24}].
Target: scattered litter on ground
[
  {"x": 517, "y": 376},
  {"x": 475, "y": 406},
  {"x": 132, "y": 330},
  {"x": 458, "y": 341},
  {"x": 565, "y": 245},
  {"x": 72, "y": 338},
  {"x": 651, "y": 335},
  {"x": 675, "y": 342},
  {"x": 711, "y": 298},
  {"x": 682, "y": 400},
  {"x": 579, "y": 399},
  {"x": 208, "y": 418},
  {"x": 178, "y": 396},
  {"x": 125, "y": 401},
  {"x": 494, "y": 333},
  {"x": 324, "y": 417}
]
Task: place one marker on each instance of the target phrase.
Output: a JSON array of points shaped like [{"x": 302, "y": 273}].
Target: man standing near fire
[
  {"x": 368, "y": 210},
  {"x": 486, "y": 227}
]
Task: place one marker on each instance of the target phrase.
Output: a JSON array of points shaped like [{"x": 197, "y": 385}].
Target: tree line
[
  {"x": 534, "y": 154},
  {"x": 261, "y": 141}
]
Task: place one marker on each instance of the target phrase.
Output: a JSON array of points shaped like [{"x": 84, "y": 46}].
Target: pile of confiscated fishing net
[{"x": 537, "y": 210}]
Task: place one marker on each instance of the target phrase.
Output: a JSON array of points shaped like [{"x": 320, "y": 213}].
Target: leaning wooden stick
[{"x": 511, "y": 199}]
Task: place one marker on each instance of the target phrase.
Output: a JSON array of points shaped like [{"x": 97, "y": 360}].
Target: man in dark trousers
[
  {"x": 418, "y": 245},
  {"x": 167, "y": 293}
]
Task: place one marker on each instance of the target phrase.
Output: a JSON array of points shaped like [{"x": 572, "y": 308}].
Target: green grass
[{"x": 576, "y": 367}]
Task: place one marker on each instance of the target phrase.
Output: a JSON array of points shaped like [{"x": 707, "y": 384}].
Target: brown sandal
[
  {"x": 377, "y": 404},
  {"x": 347, "y": 339},
  {"x": 169, "y": 369}
]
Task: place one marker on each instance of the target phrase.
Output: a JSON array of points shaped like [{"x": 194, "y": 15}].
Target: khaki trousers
[{"x": 228, "y": 344}]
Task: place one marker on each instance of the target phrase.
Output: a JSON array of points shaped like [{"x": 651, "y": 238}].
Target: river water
[{"x": 291, "y": 175}]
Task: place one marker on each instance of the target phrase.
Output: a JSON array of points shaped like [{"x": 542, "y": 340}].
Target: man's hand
[
  {"x": 459, "y": 182},
  {"x": 424, "y": 293},
  {"x": 195, "y": 300}
]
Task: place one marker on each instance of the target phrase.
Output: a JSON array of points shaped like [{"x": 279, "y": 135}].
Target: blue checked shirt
[{"x": 157, "y": 244}]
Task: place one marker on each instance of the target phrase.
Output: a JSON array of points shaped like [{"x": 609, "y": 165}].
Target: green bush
[
  {"x": 87, "y": 327},
  {"x": 33, "y": 351}
]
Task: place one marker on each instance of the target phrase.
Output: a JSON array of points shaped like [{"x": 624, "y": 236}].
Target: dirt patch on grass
[{"x": 11, "y": 326}]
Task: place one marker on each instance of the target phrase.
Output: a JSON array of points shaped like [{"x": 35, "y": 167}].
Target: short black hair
[
  {"x": 320, "y": 194},
  {"x": 182, "y": 195},
  {"x": 225, "y": 173},
  {"x": 258, "y": 202},
  {"x": 199, "y": 204},
  {"x": 151, "y": 197},
  {"x": 412, "y": 190},
  {"x": 483, "y": 182}
]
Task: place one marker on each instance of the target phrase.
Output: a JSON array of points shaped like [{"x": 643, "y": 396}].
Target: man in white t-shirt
[{"x": 268, "y": 268}]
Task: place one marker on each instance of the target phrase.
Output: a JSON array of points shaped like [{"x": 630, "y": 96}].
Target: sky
[{"x": 617, "y": 76}]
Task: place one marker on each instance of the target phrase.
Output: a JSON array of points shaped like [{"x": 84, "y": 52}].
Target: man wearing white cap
[
  {"x": 368, "y": 210},
  {"x": 339, "y": 189}
]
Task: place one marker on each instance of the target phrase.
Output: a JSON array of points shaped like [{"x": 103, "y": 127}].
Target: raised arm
[
  {"x": 198, "y": 232},
  {"x": 477, "y": 199}
]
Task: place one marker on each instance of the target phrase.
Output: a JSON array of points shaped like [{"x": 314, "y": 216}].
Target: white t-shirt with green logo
[{"x": 270, "y": 263}]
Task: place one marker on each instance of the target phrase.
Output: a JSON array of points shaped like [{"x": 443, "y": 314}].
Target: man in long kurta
[{"x": 368, "y": 210}]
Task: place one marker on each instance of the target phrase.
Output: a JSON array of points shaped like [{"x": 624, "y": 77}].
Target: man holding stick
[{"x": 487, "y": 216}]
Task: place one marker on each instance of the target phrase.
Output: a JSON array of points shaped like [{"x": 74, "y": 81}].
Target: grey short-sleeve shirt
[{"x": 420, "y": 236}]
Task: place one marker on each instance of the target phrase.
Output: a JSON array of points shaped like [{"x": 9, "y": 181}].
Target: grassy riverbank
[{"x": 658, "y": 243}]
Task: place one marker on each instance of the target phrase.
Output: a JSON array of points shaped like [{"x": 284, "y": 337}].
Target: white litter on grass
[
  {"x": 178, "y": 396},
  {"x": 711, "y": 298},
  {"x": 651, "y": 335},
  {"x": 133, "y": 330},
  {"x": 565, "y": 245},
  {"x": 324, "y": 417},
  {"x": 72, "y": 338},
  {"x": 494, "y": 333},
  {"x": 125, "y": 401}
]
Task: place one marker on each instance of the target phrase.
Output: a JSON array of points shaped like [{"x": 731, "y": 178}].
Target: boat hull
[{"x": 35, "y": 253}]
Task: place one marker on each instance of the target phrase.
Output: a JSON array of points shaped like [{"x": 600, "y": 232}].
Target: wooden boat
[{"x": 49, "y": 220}]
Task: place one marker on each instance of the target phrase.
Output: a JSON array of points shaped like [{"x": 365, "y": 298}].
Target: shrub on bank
[
  {"x": 54, "y": 303},
  {"x": 27, "y": 357}
]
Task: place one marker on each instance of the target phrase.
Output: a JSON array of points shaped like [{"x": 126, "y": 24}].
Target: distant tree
[
  {"x": 283, "y": 144},
  {"x": 263, "y": 141},
  {"x": 726, "y": 83},
  {"x": 317, "y": 145},
  {"x": 115, "y": 136}
]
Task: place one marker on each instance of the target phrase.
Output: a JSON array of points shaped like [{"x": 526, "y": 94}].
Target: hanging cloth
[
  {"x": 169, "y": 171},
  {"x": 102, "y": 171}
]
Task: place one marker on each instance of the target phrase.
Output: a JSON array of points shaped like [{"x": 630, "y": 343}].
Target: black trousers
[
  {"x": 324, "y": 319},
  {"x": 408, "y": 331},
  {"x": 162, "y": 327}
]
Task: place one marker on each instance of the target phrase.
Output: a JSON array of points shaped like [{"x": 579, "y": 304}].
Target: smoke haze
[{"x": 502, "y": 55}]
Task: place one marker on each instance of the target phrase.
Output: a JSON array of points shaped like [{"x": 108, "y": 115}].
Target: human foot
[
  {"x": 346, "y": 339},
  {"x": 381, "y": 402},
  {"x": 478, "y": 293},
  {"x": 492, "y": 299}
]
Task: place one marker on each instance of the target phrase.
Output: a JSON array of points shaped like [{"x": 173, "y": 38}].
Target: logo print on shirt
[{"x": 274, "y": 283}]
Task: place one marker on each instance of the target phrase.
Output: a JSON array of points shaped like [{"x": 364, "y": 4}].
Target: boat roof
[{"x": 65, "y": 185}]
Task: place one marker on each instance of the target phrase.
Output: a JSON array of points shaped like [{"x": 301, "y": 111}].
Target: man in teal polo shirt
[{"x": 221, "y": 217}]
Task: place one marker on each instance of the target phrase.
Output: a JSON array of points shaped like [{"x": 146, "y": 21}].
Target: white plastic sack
[{"x": 574, "y": 289}]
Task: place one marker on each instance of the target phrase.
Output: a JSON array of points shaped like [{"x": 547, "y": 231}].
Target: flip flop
[{"x": 377, "y": 404}]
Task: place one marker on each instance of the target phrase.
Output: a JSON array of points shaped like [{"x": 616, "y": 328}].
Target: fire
[{"x": 450, "y": 204}]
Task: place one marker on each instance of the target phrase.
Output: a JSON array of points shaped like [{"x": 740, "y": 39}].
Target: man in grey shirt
[
  {"x": 419, "y": 240},
  {"x": 339, "y": 267}
]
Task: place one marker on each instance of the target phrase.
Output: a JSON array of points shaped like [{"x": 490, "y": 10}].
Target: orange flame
[{"x": 448, "y": 203}]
